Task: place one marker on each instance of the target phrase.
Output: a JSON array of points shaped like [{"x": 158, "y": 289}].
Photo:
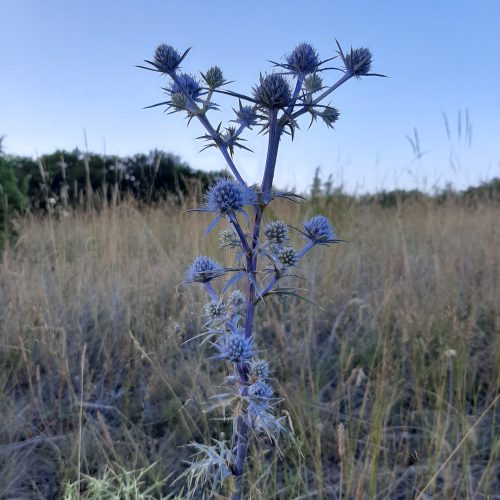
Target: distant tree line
[{"x": 64, "y": 180}]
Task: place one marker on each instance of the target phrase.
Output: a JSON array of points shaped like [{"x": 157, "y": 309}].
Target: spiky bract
[
  {"x": 302, "y": 60},
  {"x": 276, "y": 232},
  {"x": 318, "y": 229},
  {"x": 273, "y": 91},
  {"x": 166, "y": 58},
  {"x": 358, "y": 61},
  {"x": 236, "y": 348},
  {"x": 228, "y": 196},
  {"x": 203, "y": 269}
]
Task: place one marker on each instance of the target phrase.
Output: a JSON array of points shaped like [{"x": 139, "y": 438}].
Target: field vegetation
[{"x": 390, "y": 384}]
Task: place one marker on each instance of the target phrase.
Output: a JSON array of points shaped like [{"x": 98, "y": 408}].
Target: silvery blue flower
[
  {"x": 228, "y": 196},
  {"x": 318, "y": 229},
  {"x": 215, "y": 310},
  {"x": 235, "y": 347},
  {"x": 189, "y": 84},
  {"x": 261, "y": 390},
  {"x": 302, "y": 60},
  {"x": 273, "y": 91},
  {"x": 166, "y": 58},
  {"x": 358, "y": 61},
  {"x": 203, "y": 269},
  {"x": 237, "y": 298},
  {"x": 246, "y": 116},
  {"x": 228, "y": 238},
  {"x": 259, "y": 369},
  {"x": 214, "y": 77},
  {"x": 313, "y": 83},
  {"x": 276, "y": 232},
  {"x": 330, "y": 115},
  {"x": 287, "y": 256}
]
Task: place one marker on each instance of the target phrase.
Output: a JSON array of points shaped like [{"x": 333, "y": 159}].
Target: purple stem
[
  {"x": 211, "y": 291},
  {"x": 251, "y": 264}
]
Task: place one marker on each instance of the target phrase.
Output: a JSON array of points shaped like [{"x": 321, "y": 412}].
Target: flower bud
[
  {"x": 319, "y": 229},
  {"x": 358, "y": 61},
  {"x": 259, "y": 369},
  {"x": 203, "y": 269},
  {"x": 276, "y": 232},
  {"x": 287, "y": 256},
  {"x": 273, "y": 91},
  {"x": 166, "y": 58},
  {"x": 303, "y": 59},
  {"x": 260, "y": 390},
  {"x": 228, "y": 196},
  {"x": 237, "y": 348}
]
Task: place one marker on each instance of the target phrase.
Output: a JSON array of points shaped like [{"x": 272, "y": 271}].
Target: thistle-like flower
[
  {"x": 358, "y": 61},
  {"x": 246, "y": 116},
  {"x": 276, "y": 232},
  {"x": 166, "y": 58},
  {"x": 237, "y": 299},
  {"x": 273, "y": 91},
  {"x": 215, "y": 310},
  {"x": 318, "y": 229},
  {"x": 189, "y": 84},
  {"x": 235, "y": 347},
  {"x": 214, "y": 78},
  {"x": 228, "y": 238},
  {"x": 260, "y": 390},
  {"x": 287, "y": 256},
  {"x": 330, "y": 115},
  {"x": 313, "y": 83},
  {"x": 227, "y": 196},
  {"x": 203, "y": 269},
  {"x": 303, "y": 60},
  {"x": 259, "y": 369}
]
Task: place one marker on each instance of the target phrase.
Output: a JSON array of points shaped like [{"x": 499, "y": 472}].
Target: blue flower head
[
  {"x": 166, "y": 58},
  {"x": 303, "y": 60},
  {"x": 228, "y": 196},
  {"x": 237, "y": 299},
  {"x": 273, "y": 91},
  {"x": 261, "y": 390},
  {"x": 276, "y": 232},
  {"x": 358, "y": 61},
  {"x": 259, "y": 369},
  {"x": 203, "y": 269},
  {"x": 318, "y": 229},
  {"x": 214, "y": 77},
  {"x": 246, "y": 116},
  {"x": 190, "y": 85},
  {"x": 287, "y": 256},
  {"x": 236, "y": 348},
  {"x": 215, "y": 310}
]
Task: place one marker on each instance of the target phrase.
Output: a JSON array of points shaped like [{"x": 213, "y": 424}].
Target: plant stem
[
  {"x": 209, "y": 128},
  {"x": 251, "y": 265}
]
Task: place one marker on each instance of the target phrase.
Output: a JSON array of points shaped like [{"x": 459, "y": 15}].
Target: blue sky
[{"x": 69, "y": 65}]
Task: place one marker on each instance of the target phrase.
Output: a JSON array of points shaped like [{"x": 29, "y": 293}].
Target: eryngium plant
[{"x": 264, "y": 255}]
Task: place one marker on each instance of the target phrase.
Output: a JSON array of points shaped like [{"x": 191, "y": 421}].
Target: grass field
[{"x": 100, "y": 391}]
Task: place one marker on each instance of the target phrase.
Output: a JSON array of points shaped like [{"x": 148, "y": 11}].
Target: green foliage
[
  {"x": 13, "y": 200},
  {"x": 148, "y": 178}
]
